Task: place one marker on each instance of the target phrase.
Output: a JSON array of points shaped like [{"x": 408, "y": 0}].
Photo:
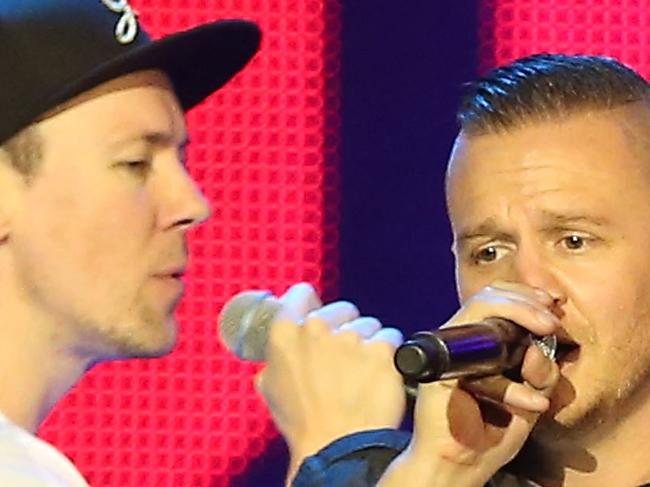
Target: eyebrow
[
  {"x": 486, "y": 227},
  {"x": 155, "y": 139},
  {"x": 550, "y": 221}
]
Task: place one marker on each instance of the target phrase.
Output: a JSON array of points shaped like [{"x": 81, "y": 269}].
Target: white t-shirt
[{"x": 27, "y": 461}]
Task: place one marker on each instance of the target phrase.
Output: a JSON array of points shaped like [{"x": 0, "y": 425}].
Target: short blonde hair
[{"x": 25, "y": 151}]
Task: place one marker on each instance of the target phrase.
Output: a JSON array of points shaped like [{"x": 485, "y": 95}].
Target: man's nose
[
  {"x": 533, "y": 269},
  {"x": 183, "y": 204}
]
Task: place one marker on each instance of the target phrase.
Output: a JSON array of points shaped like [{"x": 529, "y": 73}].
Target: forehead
[
  {"x": 143, "y": 101},
  {"x": 590, "y": 160}
]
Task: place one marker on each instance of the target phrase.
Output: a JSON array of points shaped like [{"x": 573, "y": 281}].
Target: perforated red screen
[
  {"x": 515, "y": 28},
  {"x": 264, "y": 151}
]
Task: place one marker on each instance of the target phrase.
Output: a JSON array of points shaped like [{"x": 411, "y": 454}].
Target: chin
[
  {"x": 145, "y": 348},
  {"x": 162, "y": 343},
  {"x": 581, "y": 420},
  {"x": 146, "y": 339}
]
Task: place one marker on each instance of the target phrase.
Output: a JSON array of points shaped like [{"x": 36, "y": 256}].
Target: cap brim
[{"x": 198, "y": 61}]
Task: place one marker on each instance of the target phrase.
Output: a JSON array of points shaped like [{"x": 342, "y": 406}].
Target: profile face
[
  {"x": 97, "y": 240},
  {"x": 565, "y": 206}
]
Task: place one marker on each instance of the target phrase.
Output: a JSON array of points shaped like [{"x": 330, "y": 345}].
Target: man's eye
[
  {"x": 137, "y": 165},
  {"x": 574, "y": 242},
  {"x": 487, "y": 254}
]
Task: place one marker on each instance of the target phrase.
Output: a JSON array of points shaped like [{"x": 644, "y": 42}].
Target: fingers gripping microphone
[{"x": 489, "y": 347}]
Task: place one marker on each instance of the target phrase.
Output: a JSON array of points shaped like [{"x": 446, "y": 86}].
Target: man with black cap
[{"x": 95, "y": 204}]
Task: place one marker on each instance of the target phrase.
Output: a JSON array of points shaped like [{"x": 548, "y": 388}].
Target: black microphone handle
[{"x": 489, "y": 347}]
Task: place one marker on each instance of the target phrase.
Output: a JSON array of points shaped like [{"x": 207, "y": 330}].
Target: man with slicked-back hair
[{"x": 548, "y": 194}]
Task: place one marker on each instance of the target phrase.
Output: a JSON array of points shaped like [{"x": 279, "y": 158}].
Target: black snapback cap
[{"x": 53, "y": 50}]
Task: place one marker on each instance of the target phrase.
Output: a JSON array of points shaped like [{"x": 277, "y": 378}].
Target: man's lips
[
  {"x": 174, "y": 273},
  {"x": 171, "y": 281}
]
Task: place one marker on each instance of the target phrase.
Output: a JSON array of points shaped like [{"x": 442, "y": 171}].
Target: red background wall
[{"x": 514, "y": 28}]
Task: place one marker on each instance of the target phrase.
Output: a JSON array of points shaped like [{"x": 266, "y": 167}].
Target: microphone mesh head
[{"x": 245, "y": 321}]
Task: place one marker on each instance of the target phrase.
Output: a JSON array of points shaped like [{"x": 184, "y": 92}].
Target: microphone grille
[{"x": 244, "y": 323}]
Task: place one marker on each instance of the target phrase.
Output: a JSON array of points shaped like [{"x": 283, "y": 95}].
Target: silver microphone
[{"x": 245, "y": 321}]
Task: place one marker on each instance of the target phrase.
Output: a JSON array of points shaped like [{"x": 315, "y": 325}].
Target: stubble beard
[
  {"x": 151, "y": 334},
  {"x": 589, "y": 419},
  {"x": 141, "y": 332}
]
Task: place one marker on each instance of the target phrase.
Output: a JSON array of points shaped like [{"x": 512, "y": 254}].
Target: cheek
[
  {"x": 470, "y": 280},
  {"x": 60, "y": 230},
  {"x": 467, "y": 286},
  {"x": 631, "y": 318},
  {"x": 87, "y": 240},
  {"x": 115, "y": 237},
  {"x": 612, "y": 298}
]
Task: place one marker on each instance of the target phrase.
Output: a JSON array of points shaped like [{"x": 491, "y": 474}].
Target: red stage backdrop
[
  {"x": 513, "y": 28},
  {"x": 264, "y": 151}
]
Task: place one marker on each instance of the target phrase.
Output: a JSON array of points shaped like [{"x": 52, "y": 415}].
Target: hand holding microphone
[
  {"x": 466, "y": 429},
  {"x": 328, "y": 371},
  {"x": 491, "y": 346},
  {"x": 322, "y": 382},
  {"x": 246, "y": 320}
]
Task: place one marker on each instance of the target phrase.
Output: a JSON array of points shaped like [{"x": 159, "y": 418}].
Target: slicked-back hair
[{"x": 546, "y": 87}]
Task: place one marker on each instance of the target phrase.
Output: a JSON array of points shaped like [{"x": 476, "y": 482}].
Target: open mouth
[{"x": 567, "y": 351}]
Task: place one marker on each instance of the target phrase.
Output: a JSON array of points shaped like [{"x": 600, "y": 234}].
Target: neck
[
  {"x": 615, "y": 452},
  {"x": 39, "y": 365},
  {"x": 33, "y": 387}
]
